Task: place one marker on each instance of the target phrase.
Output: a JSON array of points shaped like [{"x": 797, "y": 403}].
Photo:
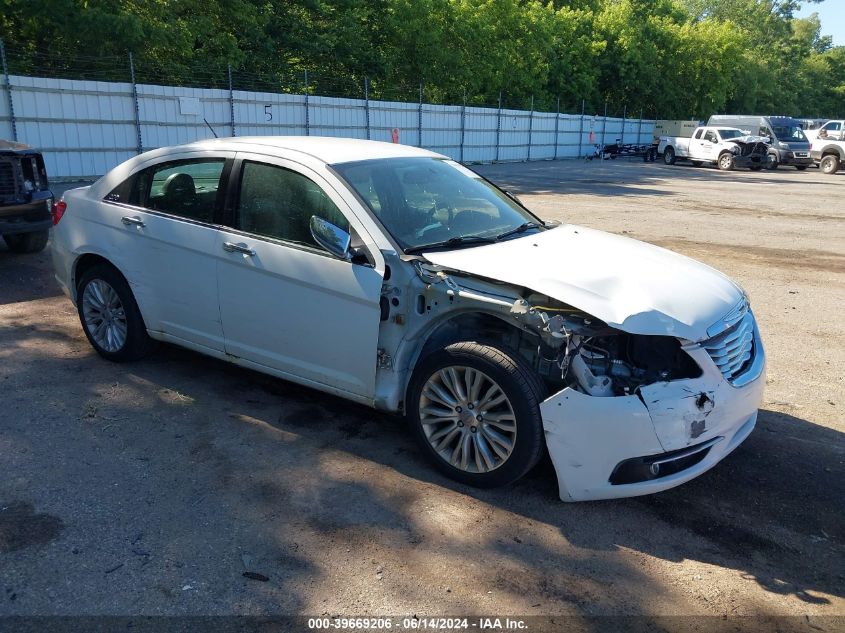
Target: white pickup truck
[
  {"x": 828, "y": 154},
  {"x": 726, "y": 147},
  {"x": 830, "y": 131}
]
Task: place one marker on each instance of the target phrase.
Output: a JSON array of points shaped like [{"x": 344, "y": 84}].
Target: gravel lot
[{"x": 150, "y": 488}]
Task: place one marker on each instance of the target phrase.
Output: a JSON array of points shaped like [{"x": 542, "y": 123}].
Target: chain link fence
[{"x": 89, "y": 114}]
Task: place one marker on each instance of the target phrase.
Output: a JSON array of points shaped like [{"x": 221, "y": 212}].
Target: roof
[
  {"x": 328, "y": 149},
  {"x": 16, "y": 148}
]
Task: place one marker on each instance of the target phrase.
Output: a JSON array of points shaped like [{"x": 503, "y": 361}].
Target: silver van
[{"x": 789, "y": 144}]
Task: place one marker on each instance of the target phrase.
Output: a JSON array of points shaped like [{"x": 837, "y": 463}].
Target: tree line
[{"x": 665, "y": 58}]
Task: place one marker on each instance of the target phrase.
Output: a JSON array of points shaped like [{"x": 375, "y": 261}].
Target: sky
[{"x": 832, "y": 15}]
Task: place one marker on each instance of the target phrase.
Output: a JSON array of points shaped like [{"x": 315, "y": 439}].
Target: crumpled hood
[
  {"x": 633, "y": 286},
  {"x": 749, "y": 139}
]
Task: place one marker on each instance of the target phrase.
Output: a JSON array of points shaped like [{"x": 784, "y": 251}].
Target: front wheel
[
  {"x": 772, "y": 162},
  {"x": 726, "y": 162},
  {"x": 110, "y": 316},
  {"x": 475, "y": 410},
  {"x": 27, "y": 242},
  {"x": 829, "y": 164},
  {"x": 669, "y": 156}
]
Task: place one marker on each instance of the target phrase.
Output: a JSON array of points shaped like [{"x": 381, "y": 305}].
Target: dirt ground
[{"x": 150, "y": 488}]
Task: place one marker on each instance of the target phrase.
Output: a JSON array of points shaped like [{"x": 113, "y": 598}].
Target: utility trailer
[{"x": 648, "y": 152}]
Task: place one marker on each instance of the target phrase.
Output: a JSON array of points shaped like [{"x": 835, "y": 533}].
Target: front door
[{"x": 285, "y": 302}]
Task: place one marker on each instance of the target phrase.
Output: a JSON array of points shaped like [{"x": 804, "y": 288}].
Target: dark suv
[{"x": 25, "y": 198}]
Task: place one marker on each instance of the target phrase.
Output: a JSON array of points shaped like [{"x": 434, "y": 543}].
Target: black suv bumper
[{"x": 27, "y": 217}]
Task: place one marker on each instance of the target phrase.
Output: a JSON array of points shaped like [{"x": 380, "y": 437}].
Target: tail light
[{"x": 58, "y": 210}]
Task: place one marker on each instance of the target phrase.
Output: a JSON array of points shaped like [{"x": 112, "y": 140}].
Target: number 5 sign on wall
[{"x": 268, "y": 112}]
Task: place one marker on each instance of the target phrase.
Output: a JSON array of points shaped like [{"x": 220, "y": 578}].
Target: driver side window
[{"x": 277, "y": 202}]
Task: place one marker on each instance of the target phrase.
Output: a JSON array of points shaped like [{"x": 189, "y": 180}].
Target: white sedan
[{"x": 396, "y": 277}]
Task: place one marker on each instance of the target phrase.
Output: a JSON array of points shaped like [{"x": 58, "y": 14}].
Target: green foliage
[{"x": 665, "y": 58}]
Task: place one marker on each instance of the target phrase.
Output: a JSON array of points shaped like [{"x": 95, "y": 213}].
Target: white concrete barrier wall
[{"x": 85, "y": 128}]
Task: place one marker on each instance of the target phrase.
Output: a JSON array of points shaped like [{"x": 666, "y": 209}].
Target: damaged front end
[
  {"x": 749, "y": 151},
  {"x": 630, "y": 413},
  {"x": 637, "y": 414}
]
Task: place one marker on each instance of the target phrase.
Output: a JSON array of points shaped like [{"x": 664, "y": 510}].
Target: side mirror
[{"x": 334, "y": 239}]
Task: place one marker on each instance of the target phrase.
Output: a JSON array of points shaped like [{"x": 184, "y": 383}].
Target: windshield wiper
[
  {"x": 520, "y": 229},
  {"x": 453, "y": 241}
]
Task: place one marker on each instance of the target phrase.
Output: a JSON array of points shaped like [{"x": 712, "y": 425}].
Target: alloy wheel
[
  {"x": 104, "y": 315},
  {"x": 467, "y": 419}
]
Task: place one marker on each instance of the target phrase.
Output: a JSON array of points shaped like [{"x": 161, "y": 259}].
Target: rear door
[
  {"x": 165, "y": 220},
  {"x": 285, "y": 302}
]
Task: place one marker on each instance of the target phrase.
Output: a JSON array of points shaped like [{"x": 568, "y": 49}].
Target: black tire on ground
[
  {"x": 829, "y": 164},
  {"x": 138, "y": 343},
  {"x": 772, "y": 162},
  {"x": 669, "y": 155},
  {"x": 726, "y": 161},
  {"x": 523, "y": 389},
  {"x": 801, "y": 167},
  {"x": 27, "y": 242}
]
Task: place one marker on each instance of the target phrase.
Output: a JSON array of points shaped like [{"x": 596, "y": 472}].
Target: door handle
[
  {"x": 231, "y": 247},
  {"x": 128, "y": 221}
]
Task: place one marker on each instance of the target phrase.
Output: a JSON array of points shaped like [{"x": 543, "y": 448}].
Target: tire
[
  {"x": 726, "y": 161},
  {"x": 755, "y": 167},
  {"x": 110, "y": 316},
  {"x": 27, "y": 242},
  {"x": 457, "y": 436},
  {"x": 829, "y": 164},
  {"x": 771, "y": 162},
  {"x": 801, "y": 167},
  {"x": 669, "y": 155}
]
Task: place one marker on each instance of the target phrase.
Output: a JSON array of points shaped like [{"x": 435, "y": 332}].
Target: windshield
[
  {"x": 730, "y": 133},
  {"x": 429, "y": 201},
  {"x": 787, "y": 133}
]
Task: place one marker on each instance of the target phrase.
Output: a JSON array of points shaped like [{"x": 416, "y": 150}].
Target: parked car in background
[
  {"x": 829, "y": 154},
  {"x": 789, "y": 144},
  {"x": 25, "y": 198},
  {"x": 811, "y": 126},
  {"x": 726, "y": 147},
  {"x": 395, "y": 277}
]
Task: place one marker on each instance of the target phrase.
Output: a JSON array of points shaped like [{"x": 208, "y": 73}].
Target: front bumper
[
  {"x": 27, "y": 217},
  {"x": 789, "y": 157},
  {"x": 685, "y": 427}
]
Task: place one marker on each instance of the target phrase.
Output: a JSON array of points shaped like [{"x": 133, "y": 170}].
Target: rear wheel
[
  {"x": 27, "y": 242},
  {"x": 829, "y": 164},
  {"x": 726, "y": 161},
  {"x": 110, "y": 316},
  {"x": 475, "y": 410},
  {"x": 669, "y": 156}
]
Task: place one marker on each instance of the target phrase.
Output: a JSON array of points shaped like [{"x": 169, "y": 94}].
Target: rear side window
[
  {"x": 279, "y": 203},
  {"x": 187, "y": 189}
]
